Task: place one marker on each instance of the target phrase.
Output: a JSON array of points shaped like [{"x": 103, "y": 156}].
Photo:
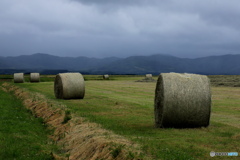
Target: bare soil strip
[{"x": 77, "y": 137}]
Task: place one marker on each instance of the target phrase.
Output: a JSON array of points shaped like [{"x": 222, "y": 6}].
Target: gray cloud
[
  {"x": 118, "y": 3},
  {"x": 103, "y": 28}
]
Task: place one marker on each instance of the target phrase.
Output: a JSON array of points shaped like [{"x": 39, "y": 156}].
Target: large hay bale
[
  {"x": 182, "y": 100},
  {"x": 34, "y": 77},
  {"x": 69, "y": 86},
  {"x": 18, "y": 77},
  {"x": 106, "y": 76}
]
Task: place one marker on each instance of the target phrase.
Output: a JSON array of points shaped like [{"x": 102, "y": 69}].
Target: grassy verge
[
  {"x": 126, "y": 107},
  {"x": 22, "y": 136}
]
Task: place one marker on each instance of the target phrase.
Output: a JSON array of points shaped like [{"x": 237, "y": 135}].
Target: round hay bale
[
  {"x": 148, "y": 76},
  {"x": 18, "y": 77},
  {"x": 34, "y": 77},
  {"x": 106, "y": 76},
  {"x": 69, "y": 86},
  {"x": 182, "y": 101}
]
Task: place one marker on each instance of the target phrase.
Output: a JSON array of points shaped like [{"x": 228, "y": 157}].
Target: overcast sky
[{"x": 120, "y": 28}]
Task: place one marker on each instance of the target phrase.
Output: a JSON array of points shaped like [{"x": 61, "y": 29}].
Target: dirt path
[{"x": 78, "y": 138}]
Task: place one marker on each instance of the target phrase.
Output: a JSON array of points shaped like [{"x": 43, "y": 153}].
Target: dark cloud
[{"x": 98, "y": 28}]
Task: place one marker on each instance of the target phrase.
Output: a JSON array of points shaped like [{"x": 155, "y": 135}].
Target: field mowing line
[
  {"x": 126, "y": 92},
  {"x": 226, "y": 119},
  {"x": 121, "y": 87}
]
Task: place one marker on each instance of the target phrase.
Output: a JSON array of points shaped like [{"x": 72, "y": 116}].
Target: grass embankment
[
  {"x": 126, "y": 107},
  {"x": 22, "y": 136}
]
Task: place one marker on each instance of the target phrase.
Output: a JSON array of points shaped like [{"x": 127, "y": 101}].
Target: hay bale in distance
[
  {"x": 182, "y": 101},
  {"x": 69, "y": 86},
  {"x": 148, "y": 76},
  {"x": 34, "y": 77},
  {"x": 106, "y": 76},
  {"x": 18, "y": 77}
]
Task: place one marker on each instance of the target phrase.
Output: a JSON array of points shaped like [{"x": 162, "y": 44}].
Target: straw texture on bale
[
  {"x": 69, "y": 86},
  {"x": 106, "y": 76},
  {"x": 18, "y": 77},
  {"x": 34, "y": 77},
  {"x": 182, "y": 101}
]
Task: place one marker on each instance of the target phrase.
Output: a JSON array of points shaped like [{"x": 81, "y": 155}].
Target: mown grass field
[
  {"x": 22, "y": 136},
  {"x": 126, "y": 107}
]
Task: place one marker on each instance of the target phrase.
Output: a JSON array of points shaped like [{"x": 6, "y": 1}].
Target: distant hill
[{"x": 155, "y": 64}]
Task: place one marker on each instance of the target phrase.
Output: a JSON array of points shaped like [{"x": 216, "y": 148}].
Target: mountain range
[{"x": 154, "y": 64}]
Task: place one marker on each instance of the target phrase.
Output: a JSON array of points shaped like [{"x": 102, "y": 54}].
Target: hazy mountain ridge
[{"x": 155, "y": 64}]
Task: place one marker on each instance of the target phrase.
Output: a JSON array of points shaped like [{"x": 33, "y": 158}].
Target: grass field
[
  {"x": 126, "y": 107},
  {"x": 216, "y": 80},
  {"x": 22, "y": 136}
]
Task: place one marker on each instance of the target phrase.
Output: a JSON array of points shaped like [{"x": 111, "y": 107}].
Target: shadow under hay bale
[
  {"x": 34, "y": 77},
  {"x": 18, "y": 77},
  {"x": 69, "y": 86},
  {"x": 182, "y": 101},
  {"x": 106, "y": 76}
]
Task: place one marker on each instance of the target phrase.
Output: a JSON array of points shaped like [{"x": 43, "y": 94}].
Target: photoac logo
[{"x": 212, "y": 154}]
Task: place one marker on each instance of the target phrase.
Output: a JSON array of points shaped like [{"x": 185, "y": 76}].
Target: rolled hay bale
[
  {"x": 148, "y": 76},
  {"x": 182, "y": 101},
  {"x": 69, "y": 86},
  {"x": 106, "y": 76},
  {"x": 18, "y": 77},
  {"x": 34, "y": 77}
]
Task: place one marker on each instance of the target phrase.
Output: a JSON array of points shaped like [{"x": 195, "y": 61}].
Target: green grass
[
  {"x": 216, "y": 80},
  {"x": 22, "y": 136},
  {"x": 51, "y": 78},
  {"x": 126, "y": 107}
]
